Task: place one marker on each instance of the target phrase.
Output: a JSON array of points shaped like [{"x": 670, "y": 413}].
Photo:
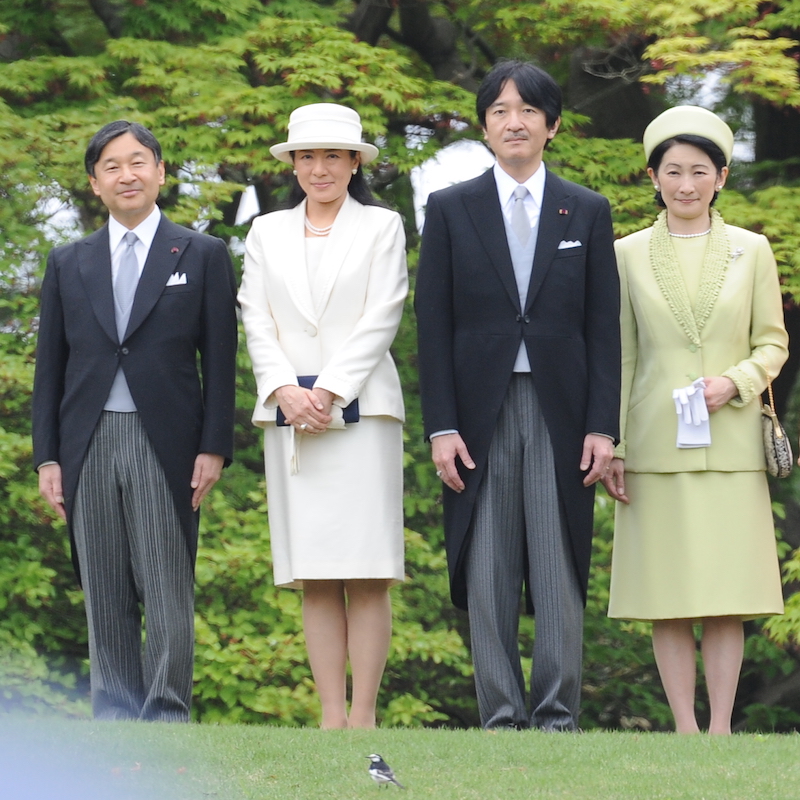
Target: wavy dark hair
[
  {"x": 358, "y": 189},
  {"x": 712, "y": 150}
]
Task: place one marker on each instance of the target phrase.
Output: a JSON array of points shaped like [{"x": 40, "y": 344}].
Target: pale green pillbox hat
[{"x": 688, "y": 120}]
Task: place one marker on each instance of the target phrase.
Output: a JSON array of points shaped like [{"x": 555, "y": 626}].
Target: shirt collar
[
  {"x": 506, "y": 185},
  {"x": 145, "y": 230}
]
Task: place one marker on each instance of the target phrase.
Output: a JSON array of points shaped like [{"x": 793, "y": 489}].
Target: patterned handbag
[{"x": 777, "y": 449}]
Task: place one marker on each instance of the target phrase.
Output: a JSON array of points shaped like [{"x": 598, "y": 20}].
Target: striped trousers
[
  {"x": 134, "y": 561},
  {"x": 517, "y": 533}
]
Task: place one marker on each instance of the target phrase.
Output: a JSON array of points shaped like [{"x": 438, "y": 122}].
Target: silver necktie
[
  {"x": 126, "y": 283},
  {"x": 520, "y": 222}
]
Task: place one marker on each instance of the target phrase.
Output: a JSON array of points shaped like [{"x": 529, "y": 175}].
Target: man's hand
[
  {"x": 614, "y": 480},
  {"x": 50, "y": 488},
  {"x": 444, "y": 450},
  {"x": 207, "y": 470},
  {"x": 597, "y": 454}
]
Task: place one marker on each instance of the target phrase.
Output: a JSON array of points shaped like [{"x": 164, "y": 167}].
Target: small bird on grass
[{"x": 381, "y": 772}]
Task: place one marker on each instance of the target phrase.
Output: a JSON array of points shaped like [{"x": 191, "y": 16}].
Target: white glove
[{"x": 694, "y": 429}]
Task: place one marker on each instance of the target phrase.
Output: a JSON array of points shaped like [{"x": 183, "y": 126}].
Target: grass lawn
[{"x": 63, "y": 760}]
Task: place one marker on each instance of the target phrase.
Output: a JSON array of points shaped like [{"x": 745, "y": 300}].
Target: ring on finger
[{"x": 303, "y": 426}]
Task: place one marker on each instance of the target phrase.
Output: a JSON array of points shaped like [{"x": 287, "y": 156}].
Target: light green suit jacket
[{"x": 743, "y": 338}]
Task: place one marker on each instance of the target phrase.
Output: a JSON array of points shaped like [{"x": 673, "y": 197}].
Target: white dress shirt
[
  {"x": 119, "y": 398},
  {"x": 532, "y": 201},
  {"x": 145, "y": 231}
]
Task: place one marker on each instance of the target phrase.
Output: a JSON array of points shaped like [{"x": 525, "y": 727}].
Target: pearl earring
[
  {"x": 294, "y": 172},
  {"x": 657, "y": 188},
  {"x": 355, "y": 171},
  {"x": 719, "y": 188}
]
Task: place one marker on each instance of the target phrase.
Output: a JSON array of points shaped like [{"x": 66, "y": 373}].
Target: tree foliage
[{"x": 216, "y": 81}]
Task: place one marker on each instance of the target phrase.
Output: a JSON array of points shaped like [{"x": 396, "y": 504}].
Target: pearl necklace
[
  {"x": 689, "y": 235},
  {"x": 318, "y": 231}
]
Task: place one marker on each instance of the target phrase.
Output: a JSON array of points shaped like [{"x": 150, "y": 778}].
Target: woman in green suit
[{"x": 701, "y": 312}]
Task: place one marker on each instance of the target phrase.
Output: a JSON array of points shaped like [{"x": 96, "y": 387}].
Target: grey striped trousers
[
  {"x": 133, "y": 557},
  {"x": 518, "y": 514}
]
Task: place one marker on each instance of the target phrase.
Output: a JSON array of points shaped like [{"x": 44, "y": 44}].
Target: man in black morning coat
[
  {"x": 128, "y": 434},
  {"x": 517, "y": 302}
]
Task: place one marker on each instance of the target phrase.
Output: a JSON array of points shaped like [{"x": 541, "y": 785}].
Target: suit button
[
  {"x": 527, "y": 319},
  {"x": 311, "y": 330},
  {"x": 519, "y": 317},
  {"x": 124, "y": 351},
  {"x": 692, "y": 348}
]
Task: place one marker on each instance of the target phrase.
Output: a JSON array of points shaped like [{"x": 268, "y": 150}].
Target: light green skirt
[{"x": 695, "y": 544}]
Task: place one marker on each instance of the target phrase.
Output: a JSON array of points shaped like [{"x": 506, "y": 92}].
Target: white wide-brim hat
[
  {"x": 688, "y": 120},
  {"x": 324, "y": 126}
]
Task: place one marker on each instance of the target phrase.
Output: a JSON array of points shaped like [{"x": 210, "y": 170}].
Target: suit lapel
[
  {"x": 168, "y": 248},
  {"x": 557, "y": 208},
  {"x": 483, "y": 207},
  {"x": 292, "y": 262},
  {"x": 337, "y": 247},
  {"x": 692, "y": 317},
  {"x": 94, "y": 266}
]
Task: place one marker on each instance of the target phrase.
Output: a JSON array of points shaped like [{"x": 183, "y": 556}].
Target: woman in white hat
[
  {"x": 702, "y": 332},
  {"x": 322, "y": 296}
]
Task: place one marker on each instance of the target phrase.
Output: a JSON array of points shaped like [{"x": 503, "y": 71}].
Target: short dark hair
[
  {"x": 534, "y": 85},
  {"x": 713, "y": 151},
  {"x": 110, "y": 132}
]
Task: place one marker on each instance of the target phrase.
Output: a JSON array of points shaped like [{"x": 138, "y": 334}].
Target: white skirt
[{"x": 341, "y": 515}]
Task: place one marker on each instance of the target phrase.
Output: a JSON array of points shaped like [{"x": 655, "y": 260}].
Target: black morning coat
[
  {"x": 470, "y": 326},
  {"x": 184, "y": 413}
]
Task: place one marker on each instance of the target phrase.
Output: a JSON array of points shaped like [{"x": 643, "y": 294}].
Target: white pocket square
[
  {"x": 176, "y": 279},
  {"x": 565, "y": 245}
]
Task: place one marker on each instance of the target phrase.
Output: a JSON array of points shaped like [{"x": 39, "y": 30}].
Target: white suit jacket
[{"x": 345, "y": 337}]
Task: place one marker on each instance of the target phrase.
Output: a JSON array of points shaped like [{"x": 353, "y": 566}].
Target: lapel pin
[
  {"x": 563, "y": 211},
  {"x": 175, "y": 250}
]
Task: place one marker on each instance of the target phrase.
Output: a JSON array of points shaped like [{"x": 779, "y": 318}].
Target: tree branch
[
  {"x": 370, "y": 20},
  {"x": 435, "y": 39},
  {"x": 476, "y": 40},
  {"x": 110, "y": 14}
]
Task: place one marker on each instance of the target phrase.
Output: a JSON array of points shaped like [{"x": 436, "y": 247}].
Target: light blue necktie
[
  {"x": 126, "y": 283},
  {"x": 520, "y": 222}
]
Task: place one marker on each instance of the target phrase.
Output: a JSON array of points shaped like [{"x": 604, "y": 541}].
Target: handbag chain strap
[
  {"x": 770, "y": 409},
  {"x": 771, "y": 398},
  {"x": 772, "y": 415}
]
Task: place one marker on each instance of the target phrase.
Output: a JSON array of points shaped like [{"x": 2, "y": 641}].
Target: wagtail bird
[{"x": 381, "y": 772}]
